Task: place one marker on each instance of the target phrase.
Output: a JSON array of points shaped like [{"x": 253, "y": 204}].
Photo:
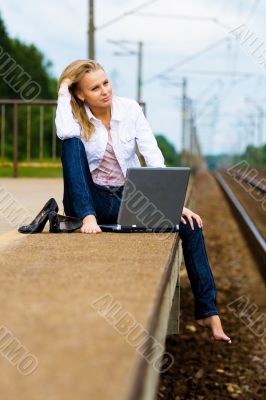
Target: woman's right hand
[
  {"x": 90, "y": 225},
  {"x": 66, "y": 82}
]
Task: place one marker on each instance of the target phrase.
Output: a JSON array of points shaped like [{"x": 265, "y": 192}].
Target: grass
[
  {"x": 32, "y": 172},
  {"x": 41, "y": 169}
]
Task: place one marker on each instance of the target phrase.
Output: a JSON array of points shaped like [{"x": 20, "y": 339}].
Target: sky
[{"x": 225, "y": 82}]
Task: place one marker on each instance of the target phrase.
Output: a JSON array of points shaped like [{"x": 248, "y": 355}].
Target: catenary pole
[{"x": 91, "y": 31}]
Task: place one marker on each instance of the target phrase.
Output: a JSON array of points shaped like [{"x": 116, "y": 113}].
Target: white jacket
[{"x": 128, "y": 126}]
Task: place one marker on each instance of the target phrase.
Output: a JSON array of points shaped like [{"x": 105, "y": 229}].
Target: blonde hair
[{"x": 75, "y": 72}]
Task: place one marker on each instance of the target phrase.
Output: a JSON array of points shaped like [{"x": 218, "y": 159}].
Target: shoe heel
[
  {"x": 37, "y": 225},
  {"x": 54, "y": 226}
]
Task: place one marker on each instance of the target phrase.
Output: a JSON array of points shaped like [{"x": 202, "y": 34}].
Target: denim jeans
[{"x": 83, "y": 197}]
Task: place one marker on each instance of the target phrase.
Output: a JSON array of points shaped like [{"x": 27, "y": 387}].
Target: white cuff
[{"x": 64, "y": 91}]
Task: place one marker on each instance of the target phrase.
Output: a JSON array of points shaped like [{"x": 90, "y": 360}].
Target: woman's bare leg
[
  {"x": 215, "y": 325},
  {"x": 201, "y": 279}
]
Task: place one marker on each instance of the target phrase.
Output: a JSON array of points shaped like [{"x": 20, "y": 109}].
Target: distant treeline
[
  {"x": 172, "y": 158},
  {"x": 20, "y": 61},
  {"x": 25, "y": 75},
  {"x": 255, "y": 156}
]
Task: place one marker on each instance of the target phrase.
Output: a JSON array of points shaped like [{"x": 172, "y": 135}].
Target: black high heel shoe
[
  {"x": 40, "y": 220},
  {"x": 62, "y": 223}
]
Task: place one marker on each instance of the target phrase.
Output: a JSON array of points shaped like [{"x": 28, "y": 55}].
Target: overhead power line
[
  {"x": 186, "y": 17},
  {"x": 224, "y": 73},
  {"x": 253, "y": 10},
  {"x": 208, "y": 89},
  {"x": 186, "y": 60},
  {"x": 125, "y": 51},
  {"x": 126, "y": 14},
  {"x": 93, "y": 28}
]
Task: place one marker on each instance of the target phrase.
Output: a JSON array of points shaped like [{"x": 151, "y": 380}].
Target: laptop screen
[{"x": 153, "y": 197}]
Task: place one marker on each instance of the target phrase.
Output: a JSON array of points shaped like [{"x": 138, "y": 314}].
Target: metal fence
[
  {"x": 20, "y": 155},
  {"x": 13, "y": 128}
]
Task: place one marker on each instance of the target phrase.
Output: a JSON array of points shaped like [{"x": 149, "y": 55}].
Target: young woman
[{"x": 99, "y": 133}]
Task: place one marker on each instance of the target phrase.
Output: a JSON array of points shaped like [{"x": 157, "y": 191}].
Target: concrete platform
[
  {"x": 25, "y": 197},
  {"x": 83, "y": 316}
]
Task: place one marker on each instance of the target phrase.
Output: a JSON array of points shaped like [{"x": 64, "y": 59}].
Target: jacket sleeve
[
  {"x": 146, "y": 141},
  {"x": 66, "y": 126}
]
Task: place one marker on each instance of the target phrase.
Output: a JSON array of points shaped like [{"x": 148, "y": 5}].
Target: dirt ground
[{"x": 210, "y": 370}]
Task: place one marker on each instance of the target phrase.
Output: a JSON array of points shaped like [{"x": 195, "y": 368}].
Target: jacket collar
[{"x": 116, "y": 114}]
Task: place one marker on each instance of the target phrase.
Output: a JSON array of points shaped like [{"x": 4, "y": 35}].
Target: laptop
[{"x": 152, "y": 200}]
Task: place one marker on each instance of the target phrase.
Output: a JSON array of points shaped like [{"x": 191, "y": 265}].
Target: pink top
[{"x": 109, "y": 172}]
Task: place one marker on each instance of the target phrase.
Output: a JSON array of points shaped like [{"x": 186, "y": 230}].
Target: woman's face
[{"x": 95, "y": 89}]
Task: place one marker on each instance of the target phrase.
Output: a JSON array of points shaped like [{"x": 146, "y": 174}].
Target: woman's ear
[
  {"x": 76, "y": 92},
  {"x": 79, "y": 94}
]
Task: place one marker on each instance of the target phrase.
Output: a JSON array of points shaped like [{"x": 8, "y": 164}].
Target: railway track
[
  {"x": 255, "y": 239},
  {"x": 257, "y": 184}
]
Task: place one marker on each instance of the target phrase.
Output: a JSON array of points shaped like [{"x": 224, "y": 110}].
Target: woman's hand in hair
[
  {"x": 66, "y": 82},
  {"x": 190, "y": 214}
]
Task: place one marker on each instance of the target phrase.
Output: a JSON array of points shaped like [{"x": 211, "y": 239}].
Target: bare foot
[
  {"x": 215, "y": 325},
  {"x": 90, "y": 225}
]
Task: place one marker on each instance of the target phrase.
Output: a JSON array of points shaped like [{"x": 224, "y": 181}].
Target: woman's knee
[
  {"x": 185, "y": 229},
  {"x": 71, "y": 147},
  {"x": 73, "y": 142}
]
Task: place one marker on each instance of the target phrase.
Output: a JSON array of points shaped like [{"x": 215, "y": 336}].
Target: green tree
[
  {"x": 20, "y": 63},
  {"x": 5, "y": 45},
  {"x": 170, "y": 154},
  {"x": 27, "y": 58}
]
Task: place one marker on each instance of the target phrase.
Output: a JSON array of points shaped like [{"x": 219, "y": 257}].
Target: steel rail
[
  {"x": 251, "y": 181},
  {"x": 256, "y": 240}
]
